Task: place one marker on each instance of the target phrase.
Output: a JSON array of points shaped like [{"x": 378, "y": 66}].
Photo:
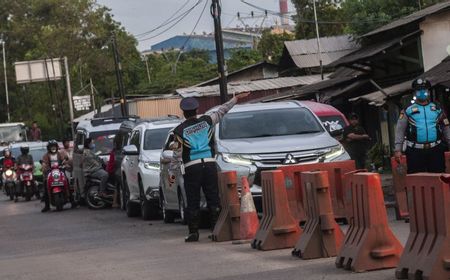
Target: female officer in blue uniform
[
  {"x": 425, "y": 125},
  {"x": 195, "y": 142}
]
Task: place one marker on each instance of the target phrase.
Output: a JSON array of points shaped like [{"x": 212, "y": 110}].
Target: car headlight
[
  {"x": 236, "y": 159},
  {"x": 152, "y": 165},
  {"x": 335, "y": 152}
]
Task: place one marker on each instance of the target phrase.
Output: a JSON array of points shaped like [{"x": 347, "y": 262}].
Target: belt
[
  {"x": 422, "y": 146},
  {"x": 197, "y": 161}
]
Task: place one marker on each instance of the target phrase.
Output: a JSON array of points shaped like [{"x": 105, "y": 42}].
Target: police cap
[
  {"x": 189, "y": 104},
  {"x": 421, "y": 84}
]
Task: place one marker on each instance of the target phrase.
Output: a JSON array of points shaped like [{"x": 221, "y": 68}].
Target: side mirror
[
  {"x": 130, "y": 150},
  {"x": 167, "y": 154}
]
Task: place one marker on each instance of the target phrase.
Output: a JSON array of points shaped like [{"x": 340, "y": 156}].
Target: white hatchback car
[{"x": 141, "y": 166}]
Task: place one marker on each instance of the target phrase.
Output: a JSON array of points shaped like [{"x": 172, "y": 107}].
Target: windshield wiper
[{"x": 308, "y": 132}]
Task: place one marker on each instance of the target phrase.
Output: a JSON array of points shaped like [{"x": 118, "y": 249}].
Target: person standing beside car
[
  {"x": 195, "y": 142},
  {"x": 356, "y": 141}
]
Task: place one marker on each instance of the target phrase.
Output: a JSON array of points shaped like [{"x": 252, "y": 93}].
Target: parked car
[
  {"x": 253, "y": 138},
  {"x": 172, "y": 194},
  {"x": 103, "y": 132},
  {"x": 141, "y": 166},
  {"x": 332, "y": 119}
]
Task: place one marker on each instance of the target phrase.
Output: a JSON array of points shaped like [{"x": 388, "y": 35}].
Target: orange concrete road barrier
[
  {"x": 278, "y": 228},
  {"x": 427, "y": 251},
  {"x": 336, "y": 171},
  {"x": 249, "y": 217},
  {"x": 399, "y": 171},
  {"x": 322, "y": 236},
  {"x": 369, "y": 243},
  {"x": 228, "y": 225}
]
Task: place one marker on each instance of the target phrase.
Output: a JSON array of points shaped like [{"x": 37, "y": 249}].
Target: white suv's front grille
[{"x": 277, "y": 159}]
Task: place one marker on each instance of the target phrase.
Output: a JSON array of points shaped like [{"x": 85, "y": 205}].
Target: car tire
[
  {"x": 149, "y": 210},
  {"x": 168, "y": 215},
  {"x": 182, "y": 208},
  {"x": 124, "y": 194},
  {"x": 133, "y": 209}
]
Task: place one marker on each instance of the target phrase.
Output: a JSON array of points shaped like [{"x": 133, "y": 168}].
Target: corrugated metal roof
[
  {"x": 417, "y": 16},
  {"x": 378, "y": 98},
  {"x": 373, "y": 50},
  {"x": 440, "y": 74},
  {"x": 304, "y": 53},
  {"x": 250, "y": 86}
]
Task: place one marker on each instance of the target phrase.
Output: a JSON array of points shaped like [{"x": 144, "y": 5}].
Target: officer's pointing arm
[
  {"x": 217, "y": 116},
  {"x": 400, "y": 132}
]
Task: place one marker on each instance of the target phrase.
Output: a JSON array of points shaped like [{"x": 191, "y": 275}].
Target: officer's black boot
[
  {"x": 214, "y": 216},
  {"x": 194, "y": 221}
]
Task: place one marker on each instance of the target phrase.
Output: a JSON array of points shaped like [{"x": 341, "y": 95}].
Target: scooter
[
  {"x": 59, "y": 192},
  {"x": 94, "y": 200},
  {"x": 9, "y": 178},
  {"x": 27, "y": 182}
]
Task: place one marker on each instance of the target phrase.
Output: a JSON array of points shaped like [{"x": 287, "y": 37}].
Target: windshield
[
  {"x": 155, "y": 138},
  {"x": 268, "y": 123},
  {"x": 12, "y": 134},
  {"x": 103, "y": 141},
  {"x": 37, "y": 153}
]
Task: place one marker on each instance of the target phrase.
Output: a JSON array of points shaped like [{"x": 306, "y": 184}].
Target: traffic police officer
[
  {"x": 424, "y": 124},
  {"x": 195, "y": 142}
]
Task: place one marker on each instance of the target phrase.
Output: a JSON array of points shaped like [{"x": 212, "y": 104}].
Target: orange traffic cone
[{"x": 249, "y": 217}]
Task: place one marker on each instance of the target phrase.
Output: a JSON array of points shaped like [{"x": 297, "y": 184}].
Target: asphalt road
[{"x": 85, "y": 244}]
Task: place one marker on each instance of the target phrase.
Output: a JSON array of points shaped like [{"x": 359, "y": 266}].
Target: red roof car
[{"x": 331, "y": 117}]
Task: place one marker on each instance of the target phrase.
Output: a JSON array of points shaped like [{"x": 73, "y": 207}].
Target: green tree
[
  {"x": 329, "y": 16},
  {"x": 80, "y": 30},
  {"x": 241, "y": 58},
  {"x": 271, "y": 45},
  {"x": 366, "y": 15}
]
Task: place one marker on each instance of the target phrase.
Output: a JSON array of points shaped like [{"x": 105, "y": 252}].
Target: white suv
[{"x": 141, "y": 167}]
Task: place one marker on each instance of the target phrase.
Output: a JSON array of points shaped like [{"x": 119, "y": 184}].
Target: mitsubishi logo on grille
[{"x": 290, "y": 159}]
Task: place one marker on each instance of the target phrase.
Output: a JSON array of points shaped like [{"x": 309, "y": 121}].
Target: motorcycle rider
[
  {"x": 93, "y": 166},
  {"x": 24, "y": 158},
  {"x": 8, "y": 161},
  {"x": 52, "y": 156}
]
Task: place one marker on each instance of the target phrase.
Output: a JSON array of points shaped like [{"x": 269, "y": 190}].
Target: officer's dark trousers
[
  {"x": 202, "y": 176},
  {"x": 426, "y": 160}
]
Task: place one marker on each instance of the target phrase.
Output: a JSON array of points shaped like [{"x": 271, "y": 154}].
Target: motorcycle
[
  {"x": 58, "y": 188},
  {"x": 27, "y": 182},
  {"x": 9, "y": 178},
  {"x": 94, "y": 200}
]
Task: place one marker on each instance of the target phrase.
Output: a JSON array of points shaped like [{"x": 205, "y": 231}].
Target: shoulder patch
[
  {"x": 402, "y": 116},
  {"x": 433, "y": 108}
]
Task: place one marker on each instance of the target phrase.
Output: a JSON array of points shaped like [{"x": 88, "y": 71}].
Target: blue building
[{"x": 231, "y": 40}]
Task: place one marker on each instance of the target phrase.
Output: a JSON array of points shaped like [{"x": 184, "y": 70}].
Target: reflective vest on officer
[{"x": 424, "y": 123}]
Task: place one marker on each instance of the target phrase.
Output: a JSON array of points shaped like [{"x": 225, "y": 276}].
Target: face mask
[
  {"x": 53, "y": 150},
  {"x": 92, "y": 146},
  {"x": 422, "y": 94}
]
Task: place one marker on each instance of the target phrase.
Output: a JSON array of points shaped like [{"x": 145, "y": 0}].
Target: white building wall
[{"x": 435, "y": 39}]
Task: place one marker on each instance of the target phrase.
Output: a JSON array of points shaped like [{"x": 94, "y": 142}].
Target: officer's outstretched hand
[
  {"x": 398, "y": 156},
  {"x": 242, "y": 95}
]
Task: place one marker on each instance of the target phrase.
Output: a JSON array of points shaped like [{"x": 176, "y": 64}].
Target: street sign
[
  {"x": 82, "y": 103},
  {"x": 38, "y": 71}
]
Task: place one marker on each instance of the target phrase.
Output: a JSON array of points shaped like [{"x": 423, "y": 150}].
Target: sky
[{"x": 139, "y": 16}]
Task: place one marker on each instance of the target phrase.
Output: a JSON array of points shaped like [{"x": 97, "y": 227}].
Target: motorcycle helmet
[
  {"x": 7, "y": 152},
  {"x": 52, "y": 146},
  {"x": 24, "y": 149}
]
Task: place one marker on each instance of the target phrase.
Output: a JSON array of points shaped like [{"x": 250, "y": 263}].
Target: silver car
[{"x": 253, "y": 138}]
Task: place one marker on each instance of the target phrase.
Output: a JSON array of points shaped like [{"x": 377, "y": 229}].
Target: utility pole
[
  {"x": 69, "y": 96},
  {"x": 148, "y": 69},
  {"x": 92, "y": 95},
  {"x": 216, "y": 12},
  {"x": 6, "y": 82},
  {"x": 319, "y": 47},
  {"x": 118, "y": 66}
]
